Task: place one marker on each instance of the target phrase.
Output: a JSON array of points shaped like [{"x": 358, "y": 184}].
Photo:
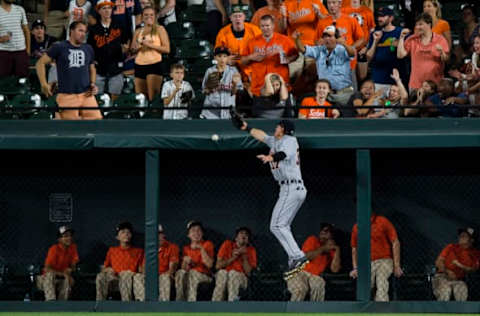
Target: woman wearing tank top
[{"x": 149, "y": 42}]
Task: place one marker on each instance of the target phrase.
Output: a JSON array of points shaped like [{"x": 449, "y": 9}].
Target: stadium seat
[
  {"x": 156, "y": 109},
  {"x": 128, "y": 85},
  {"x": 11, "y": 86},
  {"x": 25, "y": 105},
  {"x": 180, "y": 31},
  {"x": 124, "y": 106},
  {"x": 193, "y": 49},
  {"x": 194, "y": 13}
]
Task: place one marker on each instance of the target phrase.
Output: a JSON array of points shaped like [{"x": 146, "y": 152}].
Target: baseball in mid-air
[{"x": 215, "y": 137}]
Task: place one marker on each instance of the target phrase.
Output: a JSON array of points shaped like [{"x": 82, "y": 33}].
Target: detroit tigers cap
[
  {"x": 288, "y": 126},
  {"x": 384, "y": 11},
  {"x": 63, "y": 229},
  {"x": 221, "y": 50},
  {"x": 38, "y": 22}
]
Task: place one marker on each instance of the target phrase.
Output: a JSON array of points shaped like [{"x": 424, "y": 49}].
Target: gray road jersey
[{"x": 289, "y": 168}]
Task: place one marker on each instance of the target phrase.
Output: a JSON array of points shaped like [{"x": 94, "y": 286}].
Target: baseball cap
[
  {"x": 383, "y": 11},
  {"x": 288, "y": 126},
  {"x": 63, "y": 229},
  {"x": 470, "y": 231},
  {"x": 38, "y": 22},
  {"x": 102, "y": 3},
  {"x": 237, "y": 8},
  {"x": 124, "y": 225},
  {"x": 221, "y": 50},
  {"x": 330, "y": 30}
]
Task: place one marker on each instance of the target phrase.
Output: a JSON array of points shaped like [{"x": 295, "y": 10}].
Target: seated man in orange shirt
[
  {"x": 323, "y": 253},
  {"x": 196, "y": 263},
  {"x": 384, "y": 245},
  {"x": 453, "y": 263},
  {"x": 120, "y": 265},
  {"x": 235, "y": 260},
  {"x": 268, "y": 53},
  {"x": 59, "y": 264},
  {"x": 167, "y": 266}
]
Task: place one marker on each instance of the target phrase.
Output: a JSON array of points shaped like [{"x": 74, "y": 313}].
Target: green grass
[{"x": 220, "y": 314}]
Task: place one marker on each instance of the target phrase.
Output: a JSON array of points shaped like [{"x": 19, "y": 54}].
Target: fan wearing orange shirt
[
  {"x": 268, "y": 53},
  {"x": 384, "y": 254},
  {"x": 364, "y": 17},
  {"x": 167, "y": 266},
  {"x": 121, "y": 264},
  {"x": 196, "y": 264},
  {"x": 439, "y": 26},
  {"x": 453, "y": 263},
  {"x": 59, "y": 264},
  {"x": 323, "y": 253},
  {"x": 302, "y": 16},
  {"x": 272, "y": 8},
  {"x": 235, "y": 260},
  {"x": 322, "y": 89},
  {"x": 367, "y": 3}
]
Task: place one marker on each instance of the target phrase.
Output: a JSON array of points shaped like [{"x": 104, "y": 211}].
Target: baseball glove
[
  {"x": 237, "y": 119},
  {"x": 213, "y": 81}
]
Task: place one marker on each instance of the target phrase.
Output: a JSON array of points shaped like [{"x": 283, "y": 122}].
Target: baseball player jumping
[{"x": 284, "y": 161}]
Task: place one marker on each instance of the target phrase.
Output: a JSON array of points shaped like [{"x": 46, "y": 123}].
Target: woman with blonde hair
[
  {"x": 439, "y": 26},
  {"x": 149, "y": 42}
]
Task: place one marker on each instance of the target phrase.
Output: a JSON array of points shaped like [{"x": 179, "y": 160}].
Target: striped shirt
[{"x": 11, "y": 23}]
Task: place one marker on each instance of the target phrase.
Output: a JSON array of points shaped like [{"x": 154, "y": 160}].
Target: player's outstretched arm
[
  {"x": 256, "y": 133},
  {"x": 240, "y": 123}
]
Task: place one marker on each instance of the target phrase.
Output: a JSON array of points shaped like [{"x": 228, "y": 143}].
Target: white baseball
[{"x": 215, "y": 137}]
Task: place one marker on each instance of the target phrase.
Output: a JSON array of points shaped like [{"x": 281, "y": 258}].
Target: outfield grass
[{"x": 219, "y": 314}]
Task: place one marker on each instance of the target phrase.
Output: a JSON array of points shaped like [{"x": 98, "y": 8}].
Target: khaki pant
[
  {"x": 186, "y": 284},
  {"x": 164, "y": 285},
  {"x": 443, "y": 288},
  {"x": 381, "y": 270},
  {"x": 229, "y": 282},
  {"x": 50, "y": 284},
  {"x": 304, "y": 281},
  {"x": 295, "y": 68},
  {"x": 107, "y": 281},
  {"x": 56, "y": 23}
]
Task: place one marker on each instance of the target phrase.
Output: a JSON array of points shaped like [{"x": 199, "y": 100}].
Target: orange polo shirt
[
  {"x": 271, "y": 64},
  {"x": 468, "y": 257},
  {"x": 60, "y": 258},
  {"x": 315, "y": 113},
  {"x": 225, "y": 253},
  {"x": 322, "y": 261},
  {"x": 168, "y": 252},
  {"x": 301, "y": 17},
  {"x": 364, "y": 17},
  {"x": 197, "y": 262},
  {"x": 123, "y": 259},
  {"x": 382, "y": 235},
  {"x": 275, "y": 13}
]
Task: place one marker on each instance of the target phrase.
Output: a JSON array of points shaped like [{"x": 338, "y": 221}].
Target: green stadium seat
[
  {"x": 180, "y": 31},
  {"x": 25, "y": 105},
  {"x": 123, "y": 106},
  {"x": 156, "y": 109},
  {"x": 193, "y": 49},
  {"x": 12, "y": 86},
  {"x": 194, "y": 13}
]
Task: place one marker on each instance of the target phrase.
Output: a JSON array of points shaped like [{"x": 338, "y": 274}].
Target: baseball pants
[
  {"x": 443, "y": 288},
  {"x": 304, "y": 281},
  {"x": 50, "y": 284},
  {"x": 107, "y": 281},
  {"x": 164, "y": 285},
  {"x": 186, "y": 284},
  {"x": 229, "y": 282},
  {"x": 381, "y": 269},
  {"x": 290, "y": 200}
]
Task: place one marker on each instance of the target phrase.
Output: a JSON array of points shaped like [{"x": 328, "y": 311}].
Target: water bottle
[{"x": 27, "y": 297}]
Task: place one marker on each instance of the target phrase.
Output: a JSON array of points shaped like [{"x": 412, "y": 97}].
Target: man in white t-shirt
[
  {"x": 176, "y": 93},
  {"x": 14, "y": 40}
]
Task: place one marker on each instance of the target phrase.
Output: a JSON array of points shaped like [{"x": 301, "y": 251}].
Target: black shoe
[{"x": 295, "y": 267}]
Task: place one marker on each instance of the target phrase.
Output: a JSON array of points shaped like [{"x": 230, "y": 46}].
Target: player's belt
[{"x": 290, "y": 181}]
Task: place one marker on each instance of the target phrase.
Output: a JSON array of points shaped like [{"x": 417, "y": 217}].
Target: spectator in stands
[
  {"x": 364, "y": 16},
  {"x": 149, "y": 43},
  {"x": 220, "y": 85},
  {"x": 274, "y": 101},
  {"x": 109, "y": 42},
  {"x": 196, "y": 264},
  {"x": 333, "y": 62},
  {"x": 56, "y": 281},
  {"x": 384, "y": 254},
  {"x": 235, "y": 260},
  {"x": 419, "y": 97},
  {"x": 14, "y": 40},
  {"x": 217, "y": 17},
  {"x": 439, "y": 26},
  {"x": 176, "y": 93},
  {"x": 120, "y": 266},
  {"x": 470, "y": 30},
  {"x": 272, "y": 8},
  {"x": 126, "y": 13},
  {"x": 78, "y": 10},
  {"x": 322, "y": 90},
  {"x": 55, "y": 15},
  {"x": 146, "y": 3},
  {"x": 236, "y": 37},
  {"x": 76, "y": 75},
  {"x": 446, "y": 100},
  {"x": 268, "y": 53},
  {"x": 428, "y": 51},
  {"x": 323, "y": 253},
  {"x": 367, "y": 3},
  {"x": 382, "y": 46},
  {"x": 168, "y": 253},
  {"x": 40, "y": 41},
  {"x": 302, "y": 16},
  {"x": 453, "y": 263}
]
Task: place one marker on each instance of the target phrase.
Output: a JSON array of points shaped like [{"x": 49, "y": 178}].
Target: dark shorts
[
  {"x": 142, "y": 71},
  {"x": 14, "y": 63}
]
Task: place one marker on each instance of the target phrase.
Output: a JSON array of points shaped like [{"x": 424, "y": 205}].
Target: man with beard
[
  {"x": 235, "y": 260},
  {"x": 14, "y": 40}
]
